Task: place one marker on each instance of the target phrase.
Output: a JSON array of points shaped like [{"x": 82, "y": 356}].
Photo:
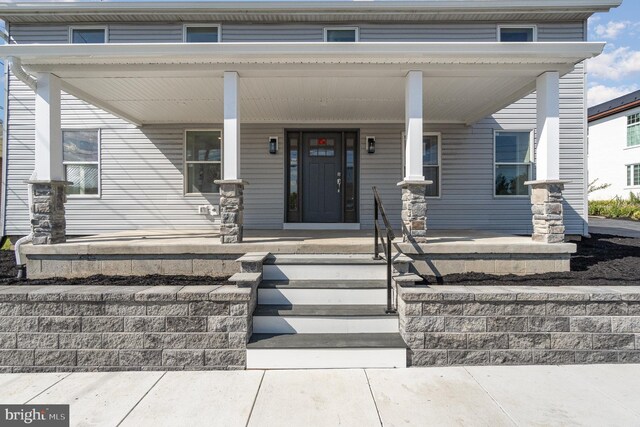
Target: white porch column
[
  {"x": 413, "y": 126},
  {"x": 414, "y": 202},
  {"x": 231, "y": 150},
  {"x": 48, "y": 138},
  {"x": 548, "y": 128},
  {"x": 546, "y": 190},
  {"x": 231, "y": 185},
  {"x": 47, "y": 184}
]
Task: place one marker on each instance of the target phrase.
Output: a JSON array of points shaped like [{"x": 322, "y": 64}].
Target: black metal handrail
[{"x": 386, "y": 245}]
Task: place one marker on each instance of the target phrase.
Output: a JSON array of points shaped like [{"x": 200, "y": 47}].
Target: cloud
[
  {"x": 615, "y": 64},
  {"x": 612, "y": 29},
  {"x": 597, "y": 94}
]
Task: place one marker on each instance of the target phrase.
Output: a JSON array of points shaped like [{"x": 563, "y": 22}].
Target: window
[
  {"x": 201, "y": 33},
  {"x": 83, "y": 35},
  {"x": 203, "y": 161},
  {"x": 81, "y": 158},
  {"x": 431, "y": 163},
  {"x": 633, "y": 175},
  {"x": 633, "y": 130},
  {"x": 517, "y": 34},
  {"x": 431, "y": 155},
  {"x": 512, "y": 163},
  {"x": 341, "y": 34}
]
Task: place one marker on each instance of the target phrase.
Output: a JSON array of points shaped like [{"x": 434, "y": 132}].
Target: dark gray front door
[{"x": 322, "y": 176}]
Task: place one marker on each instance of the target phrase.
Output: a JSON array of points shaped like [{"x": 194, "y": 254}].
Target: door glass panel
[
  {"x": 322, "y": 147},
  {"x": 293, "y": 174},
  {"x": 350, "y": 174}
]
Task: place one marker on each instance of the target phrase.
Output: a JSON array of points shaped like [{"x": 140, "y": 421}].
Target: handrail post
[
  {"x": 376, "y": 253},
  {"x": 390, "y": 308}
]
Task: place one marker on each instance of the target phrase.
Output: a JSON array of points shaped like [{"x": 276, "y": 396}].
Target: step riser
[
  {"x": 322, "y": 296},
  {"x": 324, "y": 272},
  {"x": 323, "y": 325},
  {"x": 326, "y": 358}
]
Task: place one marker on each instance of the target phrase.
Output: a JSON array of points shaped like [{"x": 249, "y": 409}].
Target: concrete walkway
[
  {"x": 615, "y": 227},
  {"x": 595, "y": 395}
]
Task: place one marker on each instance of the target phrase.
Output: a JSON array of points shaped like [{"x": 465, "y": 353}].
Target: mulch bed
[{"x": 602, "y": 260}]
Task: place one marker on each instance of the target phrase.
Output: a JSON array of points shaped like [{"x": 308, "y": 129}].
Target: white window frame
[
  {"x": 185, "y": 178},
  {"x": 325, "y": 30},
  {"x": 99, "y": 162},
  {"x": 631, "y": 185},
  {"x": 89, "y": 27},
  {"x": 627, "y": 146},
  {"x": 532, "y": 156},
  {"x": 533, "y": 27},
  {"x": 201, "y": 25},
  {"x": 439, "y": 135}
]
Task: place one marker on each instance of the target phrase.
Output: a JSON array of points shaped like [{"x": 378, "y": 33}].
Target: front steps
[{"x": 324, "y": 311}]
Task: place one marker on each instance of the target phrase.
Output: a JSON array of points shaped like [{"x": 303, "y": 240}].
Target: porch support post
[
  {"x": 414, "y": 202},
  {"x": 546, "y": 190},
  {"x": 231, "y": 186},
  {"x": 47, "y": 184}
]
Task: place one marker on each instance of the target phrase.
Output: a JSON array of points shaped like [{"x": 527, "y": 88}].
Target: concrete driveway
[
  {"x": 595, "y": 395},
  {"x": 616, "y": 227}
]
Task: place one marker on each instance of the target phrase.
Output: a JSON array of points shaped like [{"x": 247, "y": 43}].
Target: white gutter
[
  {"x": 16, "y": 68},
  {"x": 449, "y": 6}
]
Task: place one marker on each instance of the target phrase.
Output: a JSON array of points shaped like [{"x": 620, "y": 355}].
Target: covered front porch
[
  {"x": 304, "y": 86},
  {"x": 201, "y": 253}
]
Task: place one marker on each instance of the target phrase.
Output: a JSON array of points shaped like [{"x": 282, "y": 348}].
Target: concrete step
[
  {"x": 317, "y": 319},
  {"x": 325, "y": 267},
  {"x": 322, "y": 292},
  {"x": 307, "y": 351}
]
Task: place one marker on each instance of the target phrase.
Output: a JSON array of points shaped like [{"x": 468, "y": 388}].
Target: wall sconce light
[
  {"x": 273, "y": 145},
  {"x": 371, "y": 144}
]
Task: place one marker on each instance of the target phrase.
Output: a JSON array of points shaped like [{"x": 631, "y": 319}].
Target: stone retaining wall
[
  {"x": 85, "y": 328},
  {"x": 447, "y": 325}
]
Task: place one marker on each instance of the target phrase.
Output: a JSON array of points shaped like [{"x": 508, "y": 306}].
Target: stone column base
[
  {"x": 48, "y": 224},
  {"x": 546, "y": 207},
  {"x": 231, "y": 210},
  {"x": 414, "y": 211}
]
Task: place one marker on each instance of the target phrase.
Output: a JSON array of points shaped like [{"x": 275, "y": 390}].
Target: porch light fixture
[
  {"x": 273, "y": 145},
  {"x": 371, "y": 144}
]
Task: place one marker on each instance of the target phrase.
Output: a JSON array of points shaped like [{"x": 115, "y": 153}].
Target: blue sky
[{"x": 617, "y": 71}]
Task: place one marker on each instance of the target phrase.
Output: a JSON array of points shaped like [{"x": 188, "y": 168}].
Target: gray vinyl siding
[
  {"x": 312, "y": 32},
  {"x": 141, "y": 168}
]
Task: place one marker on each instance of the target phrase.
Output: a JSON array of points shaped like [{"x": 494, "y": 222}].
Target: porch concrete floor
[
  {"x": 594, "y": 395},
  {"x": 292, "y": 241}
]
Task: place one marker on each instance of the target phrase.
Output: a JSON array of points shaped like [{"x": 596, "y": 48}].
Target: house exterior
[
  {"x": 277, "y": 115},
  {"x": 614, "y": 147}
]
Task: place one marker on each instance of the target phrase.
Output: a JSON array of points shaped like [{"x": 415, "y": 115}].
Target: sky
[
  {"x": 614, "y": 73},
  {"x": 617, "y": 71}
]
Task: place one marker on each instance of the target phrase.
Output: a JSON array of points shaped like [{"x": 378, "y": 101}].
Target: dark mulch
[
  {"x": 601, "y": 260},
  {"x": 9, "y": 271}
]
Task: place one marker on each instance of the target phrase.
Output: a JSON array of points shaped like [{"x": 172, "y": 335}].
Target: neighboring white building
[{"x": 614, "y": 147}]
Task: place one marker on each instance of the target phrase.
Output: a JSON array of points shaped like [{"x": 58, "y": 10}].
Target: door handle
[{"x": 339, "y": 181}]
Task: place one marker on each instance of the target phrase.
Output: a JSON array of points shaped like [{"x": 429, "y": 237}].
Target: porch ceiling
[{"x": 300, "y": 82}]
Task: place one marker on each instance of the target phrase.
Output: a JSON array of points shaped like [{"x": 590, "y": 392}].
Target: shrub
[{"x": 617, "y": 208}]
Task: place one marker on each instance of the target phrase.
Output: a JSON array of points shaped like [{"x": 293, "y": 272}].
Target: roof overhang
[
  {"x": 300, "y": 82},
  {"x": 345, "y": 10}
]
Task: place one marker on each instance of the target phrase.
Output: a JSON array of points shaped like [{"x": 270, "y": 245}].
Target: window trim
[
  {"x": 439, "y": 135},
  {"x": 201, "y": 25},
  {"x": 531, "y": 163},
  {"x": 533, "y": 27},
  {"x": 72, "y": 28},
  {"x": 631, "y": 186},
  {"x": 185, "y": 179},
  {"x": 354, "y": 28},
  {"x": 99, "y": 162},
  {"x": 627, "y": 146}
]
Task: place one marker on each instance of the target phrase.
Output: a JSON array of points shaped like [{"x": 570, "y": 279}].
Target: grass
[{"x": 616, "y": 208}]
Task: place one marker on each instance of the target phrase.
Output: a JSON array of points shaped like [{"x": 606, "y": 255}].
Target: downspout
[{"x": 16, "y": 67}]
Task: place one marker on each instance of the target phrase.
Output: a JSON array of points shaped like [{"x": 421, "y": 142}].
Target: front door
[{"x": 322, "y": 177}]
